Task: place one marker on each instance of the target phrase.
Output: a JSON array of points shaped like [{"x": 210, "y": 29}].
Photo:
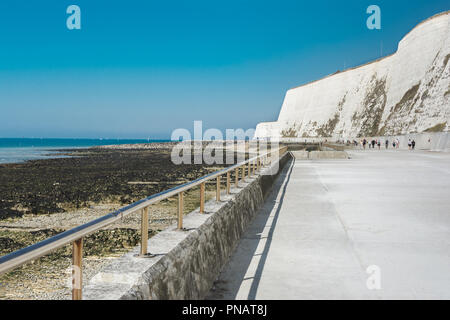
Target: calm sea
[{"x": 13, "y": 150}]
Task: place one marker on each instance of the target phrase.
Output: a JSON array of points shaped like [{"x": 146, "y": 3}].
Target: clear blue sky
[{"x": 140, "y": 69}]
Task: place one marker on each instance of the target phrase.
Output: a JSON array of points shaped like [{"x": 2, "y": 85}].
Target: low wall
[
  {"x": 185, "y": 263},
  {"x": 328, "y": 155},
  {"x": 313, "y": 155}
]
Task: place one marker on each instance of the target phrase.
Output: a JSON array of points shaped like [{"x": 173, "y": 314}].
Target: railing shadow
[
  {"x": 248, "y": 249},
  {"x": 259, "y": 270}
]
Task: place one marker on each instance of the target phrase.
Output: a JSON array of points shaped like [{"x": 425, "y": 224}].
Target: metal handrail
[{"x": 37, "y": 250}]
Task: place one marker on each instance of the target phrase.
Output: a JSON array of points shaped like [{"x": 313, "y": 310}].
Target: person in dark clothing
[
  {"x": 373, "y": 144},
  {"x": 413, "y": 144},
  {"x": 364, "y": 143},
  {"x": 379, "y": 144},
  {"x": 387, "y": 143}
]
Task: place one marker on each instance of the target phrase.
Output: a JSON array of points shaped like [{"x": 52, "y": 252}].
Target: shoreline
[
  {"x": 108, "y": 173},
  {"x": 13, "y": 154}
]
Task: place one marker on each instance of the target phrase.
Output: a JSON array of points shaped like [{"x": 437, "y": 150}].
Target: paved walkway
[{"x": 327, "y": 221}]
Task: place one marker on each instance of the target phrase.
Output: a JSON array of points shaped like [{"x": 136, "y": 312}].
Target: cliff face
[{"x": 406, "y": 92}]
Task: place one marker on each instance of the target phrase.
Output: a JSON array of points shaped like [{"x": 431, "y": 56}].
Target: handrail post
[
  {"x": 243, "y": 173},
  {"x": 180, "y": 210},
  {"x": 218, "y": 188},
  {"x": 144, "y": 230},
  {"x": 236, "y": 177},
  {"x": 77, "y": 271},
  {"x": 249, "y": 169},
  {"x": 202, "y": 197},
  {"x": 228, "y": 182}
]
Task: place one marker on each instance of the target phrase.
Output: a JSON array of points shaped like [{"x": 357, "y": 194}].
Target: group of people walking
[{"x": 377, "y": 143}]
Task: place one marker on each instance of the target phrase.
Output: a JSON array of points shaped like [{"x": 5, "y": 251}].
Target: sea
[{"x": 15, "y": 150}]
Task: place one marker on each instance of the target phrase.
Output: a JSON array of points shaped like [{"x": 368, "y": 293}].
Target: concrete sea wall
[{"x": 185, "y": 263}]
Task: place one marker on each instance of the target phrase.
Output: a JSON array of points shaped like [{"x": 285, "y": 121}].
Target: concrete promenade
[{"x": 326, "y": 221}]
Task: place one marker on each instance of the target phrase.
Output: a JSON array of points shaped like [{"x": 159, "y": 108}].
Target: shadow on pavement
[{"x": 232, "y": 276}]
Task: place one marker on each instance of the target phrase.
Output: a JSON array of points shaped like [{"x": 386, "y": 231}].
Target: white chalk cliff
[{"x": 406, "y": 92}]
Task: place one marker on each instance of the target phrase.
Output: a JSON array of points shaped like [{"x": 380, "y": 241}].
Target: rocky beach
[{"x": 42, "y": 198}]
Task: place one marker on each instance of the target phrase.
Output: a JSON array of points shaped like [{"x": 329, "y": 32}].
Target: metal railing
[{"x": 75, "y": 235}]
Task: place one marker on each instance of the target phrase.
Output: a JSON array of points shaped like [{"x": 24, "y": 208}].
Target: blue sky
[{"x": 139, "y": 69}]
